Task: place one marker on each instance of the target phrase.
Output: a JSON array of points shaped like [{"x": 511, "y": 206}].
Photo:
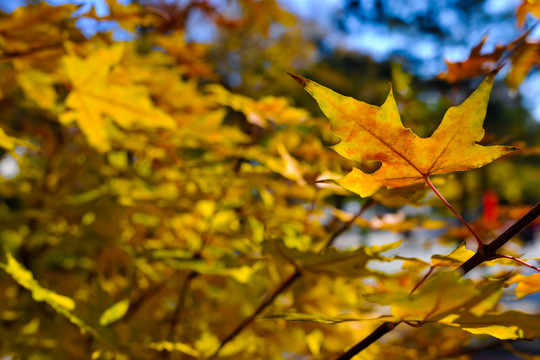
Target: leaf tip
[
  {"x": 495, "y": 71},
  {"x": 302, "y": 81}
]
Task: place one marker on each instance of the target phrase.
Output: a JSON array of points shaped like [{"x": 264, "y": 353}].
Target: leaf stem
[
  {"x": 501, "y": 256},
  {"x": 347, "y": 225},
  {"x": 431, "y": 268},
  {"x": 478, "y": 240}
]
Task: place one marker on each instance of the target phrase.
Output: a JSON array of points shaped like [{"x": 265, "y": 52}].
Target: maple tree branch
[
  {"x": 478, "y": 240},
  {"x": 289, "y": 281},
  {"x": 375, "y": 335},
  {"x": 490, "y": 251},
  {"x": 347, "y": 225},
  {"x": 180, "y": 302},
  {"x": 267, "y": 301}
]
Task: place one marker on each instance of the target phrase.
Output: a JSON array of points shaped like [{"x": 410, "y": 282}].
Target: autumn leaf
[
  {"x": 128, "y": 16},
  {"x": 523, "y": 60},
  {"x": 9, "y": 142},
  {"x": 476, "y": 65},
  {"x": 333, "y": 262},
  {"x": 94, "y": 98},
  {"x": 435, "y": 299},
  {"x": 507, "y": 325},
  {"x": 114, "y": 313},
  {"x": 60, "y": 303},
  {"x": 527, "y": 6},
  {"x": 479, "y": 64},
  {"x": 526, "y": 285},
  {"x": 321, "y": 318},
  {"x": 375, "y": 133}
]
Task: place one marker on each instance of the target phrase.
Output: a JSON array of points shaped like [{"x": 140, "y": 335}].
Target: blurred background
[
  {"x": 418, "y": 35},
  {"x": 434, "y": 53}
]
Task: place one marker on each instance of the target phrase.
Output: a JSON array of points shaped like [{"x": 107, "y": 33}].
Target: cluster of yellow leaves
[{"x": 97, "y": 96}]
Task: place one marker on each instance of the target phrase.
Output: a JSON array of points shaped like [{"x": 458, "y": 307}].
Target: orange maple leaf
[
  {"x": 479, "y": 64},
  {"x": 476, "y": 65},
  {"x": 527, "y": 6},
  {"x": 375, "y": 133}
]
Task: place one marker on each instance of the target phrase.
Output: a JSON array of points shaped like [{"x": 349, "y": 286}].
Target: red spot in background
[{"x": 490, "y": 202}]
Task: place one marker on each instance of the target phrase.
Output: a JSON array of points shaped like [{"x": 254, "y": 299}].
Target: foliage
[{"x": 157, "y": 213}]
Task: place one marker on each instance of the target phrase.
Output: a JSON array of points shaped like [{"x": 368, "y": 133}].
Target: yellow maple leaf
[
  {"x": 376, "y": 133},
  {"x": 526, "y": 285},
  {"x": 95, "y": 99},
  {"x": 524, "y": 59}
]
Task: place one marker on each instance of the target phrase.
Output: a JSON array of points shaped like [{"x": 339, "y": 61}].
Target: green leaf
[{"x": 114, "y": 313}]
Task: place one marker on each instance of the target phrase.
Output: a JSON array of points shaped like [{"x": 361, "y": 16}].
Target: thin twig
[
  {"x": 177, "y": 313},
  {"x": 267, "y": 301},
  {"x": 347, "y": 225},
  {"x": 431, "y": 268},
  {"x": 288, "y": 282},
  {"x": 478, "y": 240},
  {"x": 383, "y": 329},
  {"x": 501, "y": 256}
]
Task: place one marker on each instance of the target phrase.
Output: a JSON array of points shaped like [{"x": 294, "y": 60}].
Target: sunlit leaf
[
  {"x": 375, "y": 133},
  {"x": 114, "y": 313},
  {"x": 526, "y": 285},
  {"x": 175, "y": 346},
  {"x": 323, "y": 319},
  {"x": 438, "y": 297},
  {"x": 127, "y": 104},
  {"x": 507, "y": 325},
  {"x": 62, "y": 304}
]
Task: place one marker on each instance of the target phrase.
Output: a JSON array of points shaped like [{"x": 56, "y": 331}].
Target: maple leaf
[
  {"x": 476, "y": 65},
  {"x": 94, "y": 98},
  {"x": 523, "y": 60},
  {"x": 479, "y": 64},
  {"x": 527, "y": 6},
  {"x": 376, "y": 133}
]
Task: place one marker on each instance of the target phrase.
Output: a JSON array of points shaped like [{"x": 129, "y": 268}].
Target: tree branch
[
  {"x": 383, "y": 329},
  {"x": 490, "y": 251},
  {"x": 288, "y": 282},
  {"x": 247, "y": 321}
]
